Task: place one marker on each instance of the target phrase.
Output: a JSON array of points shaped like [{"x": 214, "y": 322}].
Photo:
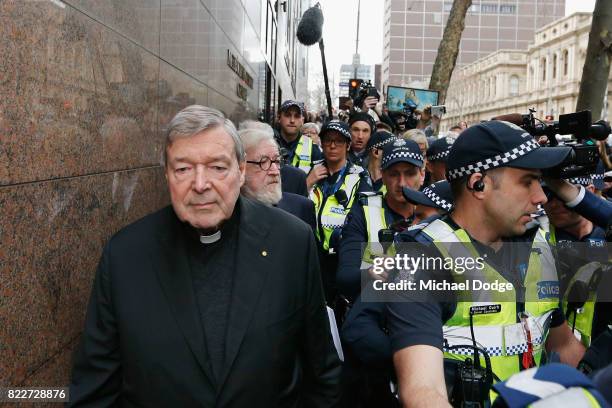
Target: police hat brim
[
  {"x": 417, "y": 197},
  {"x": 542, "y": 158},
  {"x": 409, "y": 160}
]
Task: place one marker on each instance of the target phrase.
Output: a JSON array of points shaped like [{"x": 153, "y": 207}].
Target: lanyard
[{"x": 336, "y": 186}]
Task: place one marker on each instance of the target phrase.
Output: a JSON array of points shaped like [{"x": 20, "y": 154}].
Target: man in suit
[
  {"x": 293, "y": 180},
  {"x": 263, "y": 175},
  {"x": 194, "y": 305}
]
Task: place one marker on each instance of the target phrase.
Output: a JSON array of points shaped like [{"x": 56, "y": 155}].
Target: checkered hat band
[
  {"x": 439, "y": 156},
  {"x": 380, "y": 144},
  {"x": 583, "y": 181},
  {"x": 439, "y": 201},
  {"x": 339, "y": 129},
  {"x": 597, "y": 176},
  {"x": 495, "y": 161},
  {"x": 401, "y": 154}
]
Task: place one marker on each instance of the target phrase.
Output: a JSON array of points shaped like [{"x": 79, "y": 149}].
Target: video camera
[
  {"x": 584, "y": 155},
  {"x": 365, "y": 89}
]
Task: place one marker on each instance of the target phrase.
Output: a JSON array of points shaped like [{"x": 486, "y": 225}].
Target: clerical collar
[{"x": 209, "y": 239}]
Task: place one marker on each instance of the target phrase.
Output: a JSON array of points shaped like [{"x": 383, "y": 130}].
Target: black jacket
[
  {"x": 143, "y": 343},
  {"x": 293, "y": 180},
  {"x": 299, "y": 206}
]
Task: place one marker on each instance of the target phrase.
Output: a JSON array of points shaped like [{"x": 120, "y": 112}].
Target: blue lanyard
[{"x": 336, "y": 186}]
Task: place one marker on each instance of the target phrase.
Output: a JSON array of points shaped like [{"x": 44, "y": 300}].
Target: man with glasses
[
  {"x": 336, "y": 182},
  {"x": 263, "y": 175}
]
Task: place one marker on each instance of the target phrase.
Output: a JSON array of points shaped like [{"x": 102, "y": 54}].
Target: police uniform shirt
[
  {"x": 291, "y": 146},
  {"x": 327, "y": 184},
  {"x": 354, "y": 235},
  {"x": 360, "y": 159},
  {"x": 414, "y": 323}
]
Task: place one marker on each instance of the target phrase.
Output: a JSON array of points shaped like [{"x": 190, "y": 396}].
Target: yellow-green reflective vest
[
  {"x": 501, "y": 334},
  {"x": 375, "y": 221},
  {"x": 583, "y": 327},
  {"x": 302, "y": 157},
  {"x": 330, "y": 213}
]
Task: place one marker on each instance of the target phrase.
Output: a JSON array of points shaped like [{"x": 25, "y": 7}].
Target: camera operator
[
  {"x": 494, "y": 171},
  {"x": 582, "y": 201},
  {"x": 575, "y": 272}
]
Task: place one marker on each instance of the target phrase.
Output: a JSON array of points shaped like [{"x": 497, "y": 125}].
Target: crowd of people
[{"x": 226, "y": 298}]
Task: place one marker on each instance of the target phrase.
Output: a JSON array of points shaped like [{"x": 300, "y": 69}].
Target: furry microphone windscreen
[{"x": 310, "y": 29}]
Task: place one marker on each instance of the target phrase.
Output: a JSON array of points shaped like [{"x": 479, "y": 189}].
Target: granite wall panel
[
  {"x": 137, "y": 20},
  {"x": 78, "y": 98},
  {"x": 86, "y": 90},
  {"x": 177, "y": 90},
  {"x": 52, "y": 234},
  {"x": 185, "y": 35}
]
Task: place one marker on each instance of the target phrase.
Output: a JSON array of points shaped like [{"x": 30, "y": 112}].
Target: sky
[{"x": 339, "y": 33}]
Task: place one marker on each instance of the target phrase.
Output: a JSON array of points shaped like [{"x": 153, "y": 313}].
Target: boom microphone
[{"x": 310, "y": 29}]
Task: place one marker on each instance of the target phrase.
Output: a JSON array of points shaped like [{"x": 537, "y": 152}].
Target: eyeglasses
[
  {"x": 265, "y": 162},
  {"x": 335, "y": 142}
]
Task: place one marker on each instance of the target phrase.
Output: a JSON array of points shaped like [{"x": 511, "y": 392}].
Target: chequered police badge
[{"x": 399, "y": 142}]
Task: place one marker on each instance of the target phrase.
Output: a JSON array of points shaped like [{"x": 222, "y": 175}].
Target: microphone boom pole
[
  {"x": 309, "y": 32},
  {"x": 327, "y": 93}
]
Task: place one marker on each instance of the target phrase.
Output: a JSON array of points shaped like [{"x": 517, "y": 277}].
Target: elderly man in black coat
[
  {"x": 213, "y": 301},
  {"x": 263, "y": 177}
]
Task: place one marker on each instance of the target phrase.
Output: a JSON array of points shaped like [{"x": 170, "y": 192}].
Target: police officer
[
  {"x": 432, "y": 201},
  {"x": 367, "y": 344},
  {"x": 362, "y": 126},
  {"x": 300, "y": 150},
  {"x": 337, "y": 184},
  {"x": 375, "y": 150},
  {"x": 579, "y": 266},
  {"x": 494, "y": 171},
  {"x": 402, "y": 166},
  {"x": 436, "y": 155}
]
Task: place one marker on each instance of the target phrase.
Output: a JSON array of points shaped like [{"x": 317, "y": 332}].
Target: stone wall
[{"x": 86, "y": 88}]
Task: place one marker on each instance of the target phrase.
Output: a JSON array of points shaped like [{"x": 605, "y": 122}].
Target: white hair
[
  {"x": 197, "y": 118},
  {"x": 252, "y": 133}
]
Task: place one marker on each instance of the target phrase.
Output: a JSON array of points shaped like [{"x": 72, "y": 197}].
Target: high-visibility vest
[
  {"x": 330, "y": 213},
  {"x": 501, "y": 333},
  {"x": 581, "y": 320},
  {"x": 374, "y": 213},
  {"x": 302, "y": 157}
]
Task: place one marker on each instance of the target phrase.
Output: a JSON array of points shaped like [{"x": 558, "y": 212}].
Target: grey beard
[{"x": 264, "y": 196}]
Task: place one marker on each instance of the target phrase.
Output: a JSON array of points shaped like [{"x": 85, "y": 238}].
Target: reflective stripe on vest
[
  {"x": 501, "y": 335},
  {"x": 375, "y": 221},
  {"x": 330, "y": 213},
  {"x": 302, "y": 158}
]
